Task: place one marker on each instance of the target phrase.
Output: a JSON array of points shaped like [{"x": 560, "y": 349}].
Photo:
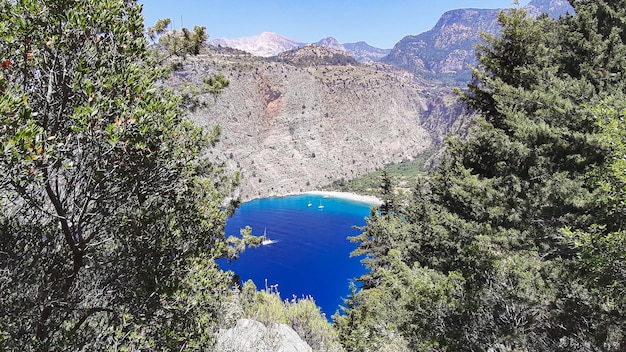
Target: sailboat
[
  {"x": 266, "y": 241},
  {"x": 320, "y": 206},
  {"x": 309, "y": 204}
]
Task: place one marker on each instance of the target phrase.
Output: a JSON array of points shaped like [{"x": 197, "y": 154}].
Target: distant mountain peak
[
  {"x": 364, "y": 52},
  {"x": 272, "y": 35},
  {"x": 269, "y": 44},
  {"x": 265, "y": 44},
  {"x": 331, "y": 42}
]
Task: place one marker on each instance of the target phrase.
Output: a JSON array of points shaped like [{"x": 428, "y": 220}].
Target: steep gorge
[{"x": 299, "y": 121}]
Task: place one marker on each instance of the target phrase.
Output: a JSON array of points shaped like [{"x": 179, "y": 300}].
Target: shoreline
[
  {"x": 355, "y": 197},
  {"x": 346, "y": 195}
]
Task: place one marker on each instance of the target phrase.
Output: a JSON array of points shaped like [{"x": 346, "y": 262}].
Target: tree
[
  {"x": 600, "y": 265},
  {"x": 110, "y": 221},
  {"x": 483, "y": 236}
]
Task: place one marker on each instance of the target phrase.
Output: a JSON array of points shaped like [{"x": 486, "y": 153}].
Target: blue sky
[{"x": 380, "y": 23}]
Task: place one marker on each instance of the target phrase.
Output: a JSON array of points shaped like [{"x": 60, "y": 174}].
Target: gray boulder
[{"x": 252, "y": 336}]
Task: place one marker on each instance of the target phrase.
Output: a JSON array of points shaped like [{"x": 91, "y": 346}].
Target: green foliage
[
  {"x": 110, "y": 221},
  {"x": 601, "y": 248},
  {"x": 181, "y": 42},
  {"x": 406, "y": 174},
  {"x": 173, "y": 48},
  {"x": 515, "y": 241},
  {"x": 301, "y": 314}
]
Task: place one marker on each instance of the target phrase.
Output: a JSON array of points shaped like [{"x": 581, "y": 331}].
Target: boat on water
[
  {"x": 309, "y": 204},
  {"x": 321, "y": 206},
  {"x": 266, "y": 241}
]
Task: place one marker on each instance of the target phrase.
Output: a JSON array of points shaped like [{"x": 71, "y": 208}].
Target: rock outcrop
[{"x": 252, "y": 336}]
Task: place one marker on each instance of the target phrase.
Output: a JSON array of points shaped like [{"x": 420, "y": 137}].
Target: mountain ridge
[
  {"x": 448, "y": 48},
  {"x": 268, "y": 44},
  {"x": 265, "y": 44}
]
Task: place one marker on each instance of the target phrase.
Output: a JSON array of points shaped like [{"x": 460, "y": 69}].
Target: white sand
[{"x": 349, "y": 196}]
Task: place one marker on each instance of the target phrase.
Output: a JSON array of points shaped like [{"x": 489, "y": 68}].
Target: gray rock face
[
  {"x": 293, "y": 127},
  {"x": 448, "y": 47},
  {"x": 252, "y": 336}
]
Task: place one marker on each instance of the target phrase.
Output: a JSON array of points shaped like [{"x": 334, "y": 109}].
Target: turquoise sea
[{"x": 310, "y": 255}]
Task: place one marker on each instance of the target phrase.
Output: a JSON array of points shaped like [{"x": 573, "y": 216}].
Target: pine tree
[{"x": 486, "y": 229}]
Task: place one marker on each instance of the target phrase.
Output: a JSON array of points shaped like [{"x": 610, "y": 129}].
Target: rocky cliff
[
  {"x": 302, "y": 120},
  {"x": 447, "y": 49}
]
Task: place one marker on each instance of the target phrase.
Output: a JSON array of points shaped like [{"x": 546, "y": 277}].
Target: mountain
[
  {"x": 554, "y": 8},
  {"x": 270, "y": 44},
  {"x": 365, "y": 52},
  {"x": 331, "y": 42},
  {"x": 313, "y": 115},
  {"x": 308, "y": 115},
  {"x": 265, "y": 44},
  {"x": 448, "y": 48}
]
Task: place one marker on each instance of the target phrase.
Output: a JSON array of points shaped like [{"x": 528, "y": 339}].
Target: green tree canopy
[
  {"x": 503, "y": 245},
  {"x": 109, "y": 220}
]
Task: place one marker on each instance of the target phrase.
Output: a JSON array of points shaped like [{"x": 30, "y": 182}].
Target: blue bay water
[{"x": 311, "y": 255}]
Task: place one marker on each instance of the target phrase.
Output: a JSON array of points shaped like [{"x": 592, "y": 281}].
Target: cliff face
[
  {"x": 293, "y": 124},
  {"x": 448, "y": 48}
]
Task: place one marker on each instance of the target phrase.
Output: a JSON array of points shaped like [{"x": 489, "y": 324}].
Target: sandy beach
[{"x": 346, "y": 195}]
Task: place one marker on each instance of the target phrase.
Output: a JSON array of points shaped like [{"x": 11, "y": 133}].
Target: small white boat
[
  {"x": 266, "y": 241},
  {"x": 309, "y": 204},
  {"x": 320, "y": 206}
]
